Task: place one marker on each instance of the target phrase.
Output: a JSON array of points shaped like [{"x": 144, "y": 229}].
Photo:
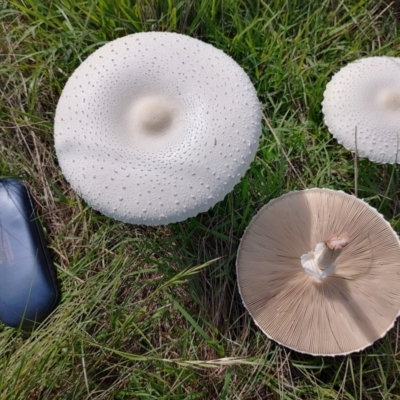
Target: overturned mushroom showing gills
[
  {"x": 363, "y": 100},
  {"x": 156, "y": 127},
  {"x": 319, "y": 271}
]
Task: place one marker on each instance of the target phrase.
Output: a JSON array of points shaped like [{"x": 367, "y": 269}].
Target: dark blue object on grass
[{"x": 28, "y": 285}]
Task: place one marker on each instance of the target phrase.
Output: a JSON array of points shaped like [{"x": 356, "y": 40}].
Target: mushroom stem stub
[
  {"x": 320, "y": 263},
  {"x": 333, "y": 247}
]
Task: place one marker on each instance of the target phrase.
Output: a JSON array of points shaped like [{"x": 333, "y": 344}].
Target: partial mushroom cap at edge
[{"x": 363, "y": 100}]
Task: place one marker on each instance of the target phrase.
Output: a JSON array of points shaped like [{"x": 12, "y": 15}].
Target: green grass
[{"x": 154, "y": 313}]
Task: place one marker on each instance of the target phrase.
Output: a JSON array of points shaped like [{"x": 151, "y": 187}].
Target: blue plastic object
[{"x": 28, "y": 285}]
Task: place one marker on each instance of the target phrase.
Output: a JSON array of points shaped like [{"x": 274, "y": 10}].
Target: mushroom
[
  {"x": 363, "y": 100},
  {"x": 156, "y": 127},
  {"x": 319, "y": 272}
]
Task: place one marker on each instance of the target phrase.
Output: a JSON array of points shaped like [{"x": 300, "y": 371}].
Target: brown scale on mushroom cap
[{"x": 346, "y": 311}]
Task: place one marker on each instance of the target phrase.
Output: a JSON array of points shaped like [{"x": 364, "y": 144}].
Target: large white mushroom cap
[
  {"x": 154, "y": 128},
  {"x": 366, "y": 94}
]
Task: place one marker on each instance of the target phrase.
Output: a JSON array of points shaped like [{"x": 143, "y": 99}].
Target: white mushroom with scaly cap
[
  {"x": 364, "y": 97},
  {"x": 156, "y": 127},
  {"x": 319, "y": 271}
]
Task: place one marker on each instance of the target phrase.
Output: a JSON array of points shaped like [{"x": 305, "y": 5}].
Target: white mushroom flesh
[{"x": 321, "y": 262}]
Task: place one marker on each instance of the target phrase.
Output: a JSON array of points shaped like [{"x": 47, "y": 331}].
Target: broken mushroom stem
[
  {"x": 333, "y": 247},
  {"x": 321, "y": 262}
]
